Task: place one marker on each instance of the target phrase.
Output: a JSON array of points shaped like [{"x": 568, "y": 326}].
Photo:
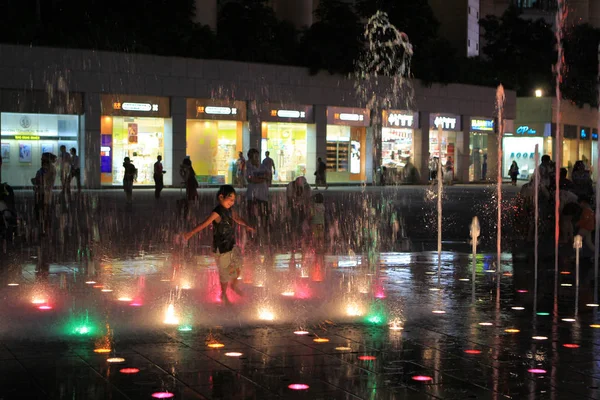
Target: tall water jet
[
  {"x": 500, "y": 98},
  {"x": 561, "y": 14},
  {"x": 439, "y": 203},
  {"x": 577, "y": 245},
  {"x": 597, "y": 233},
  {"x": 475, "y": 231},
  {"x": 536, "y": 205}
]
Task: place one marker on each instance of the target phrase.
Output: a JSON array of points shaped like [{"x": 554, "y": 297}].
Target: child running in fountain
[{"x": 227, "y": 254}]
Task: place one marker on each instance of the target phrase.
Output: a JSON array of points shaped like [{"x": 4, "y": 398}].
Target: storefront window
[
  {"x": 522, "y": 151},
  {"x": 478, "y": 147},
  {"x": 447, "y": 150},
  {"x": 141, "y": 139},
  {"x": 346, "y": 144},
  {"x": 213, "y": 147},
  {"x": 26, "y": 136},
  {"x": 288, "y": 147},
  {"x": 397, "y": 145}
]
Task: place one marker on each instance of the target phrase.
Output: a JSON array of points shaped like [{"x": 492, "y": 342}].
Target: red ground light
[
  {"x": 129, "y": 370},
  {"x": 473, "y": 351},
  {"x": 367, "y": 358},
  {"x": 571, "y": 345}
]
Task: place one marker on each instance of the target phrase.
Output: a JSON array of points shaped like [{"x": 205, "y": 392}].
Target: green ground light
[{"x": 377, "y": 314}]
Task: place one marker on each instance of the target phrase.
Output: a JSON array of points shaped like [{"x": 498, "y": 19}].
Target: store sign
[
  {"x": 348, "y": 116},
  {"x": 447, "y": 122},
  {"x": 287, "y": 113},
  {"x": 143, "y": 107},
  {"x": 526, "y": 130},
  {"x": 594, "y": 135},
  {"x": 26, "y": 137},
  {"x": 210, "y": 110},
  {"x": 479, "y": 124},
  {"x": 584, "y": 134},
  {"x": 216, "y": 109},
  {"x": 399, "y": 119},
  {"x": 133, "y": 106}
]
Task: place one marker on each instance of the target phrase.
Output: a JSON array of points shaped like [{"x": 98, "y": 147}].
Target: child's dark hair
[
  {"x": 318, "y": 198},
  {"x": 225, "y": 190}
]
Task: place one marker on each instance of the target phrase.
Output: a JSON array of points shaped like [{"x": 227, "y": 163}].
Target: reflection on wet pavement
[{"x": 382, "y": 326}]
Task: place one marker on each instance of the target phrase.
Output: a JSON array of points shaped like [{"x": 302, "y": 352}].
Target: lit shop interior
[
  {"x": 396, "y": 147},
  {"x": 213, "y": 148},
  {"x": 478, "y": 148},
  {"x": 346, "y": 147},
  {"x": 443, "y": 147},
  {"x": 585, "y": 146},
  {"x": 290, "y": 145},
  {"x": 26, "y": 136},
  {"x": 141, "y": 139}
]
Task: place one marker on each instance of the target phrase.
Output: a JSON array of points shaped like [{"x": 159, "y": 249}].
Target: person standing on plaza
[
  {"x": 187, "y": 173},
  {"x": 298, "y": 194},
  {"x": 240, "y": 170},
  {"x": 449, "y": 170},
  {"x": 65, "y": 171},
  {"x": 158, "y": 177},
  {"x": 227, "y": 254},
  {"x": 257, "y": 194},
  {"x": 321, "y": 174},
  {"x": 269, "y": 165},
  {"x": 75, "y": 169},
  {"x": 129, "y": 176},
  {"x": 513, "y": 172}
]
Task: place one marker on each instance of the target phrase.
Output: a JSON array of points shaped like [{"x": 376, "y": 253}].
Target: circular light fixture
[
  {"x": 539, "y": 337},
  {"x": 518, "y": 308},
  {"x": 571, "y": 345},
  {"x": 367, "y": 358},
  {"x": 512, "y": 330},
  {"x": 342, "y": 348},
  {"x": 537, "y": 371},
  {"x": 301, "y": 332},
  {"x": 115, "y": 360},
  {"x": 216, "y": 345},
  {"x": 233, "y": 354},
  {"x": 163, "y": 395},
  {"x": 321, "y": 340},
  {"x": 473, "y": 351}
]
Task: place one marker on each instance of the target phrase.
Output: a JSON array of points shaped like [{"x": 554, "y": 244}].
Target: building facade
[
  {"x": 536, "y": 125},
  {"x": 110, "y": 105}
]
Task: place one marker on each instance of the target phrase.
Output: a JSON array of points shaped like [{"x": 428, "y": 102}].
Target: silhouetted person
[
  {"x": 129, "y": 177},
  {"x": 158, "y": 177},
  {"x": 75, "y": 169},
  {"x": 321, "y": 174}
]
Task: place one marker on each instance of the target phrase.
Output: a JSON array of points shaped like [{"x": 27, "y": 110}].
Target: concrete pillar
[
  {"x": 321, "y": 131},
  {"x": 254, "y": 127},
  {"x": 178, "y": 117},
  {"x": 421, "y": 147},
  {"x": 493, "y": 159},
  {"x": 463, "y": 162},
  {"x": 91, "y": 140},
  {"x": 206, "y": 13}
]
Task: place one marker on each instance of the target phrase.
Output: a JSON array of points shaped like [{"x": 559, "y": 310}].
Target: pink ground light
[
  {"x": 422, "y": 378},
  {"x": 298, "y": 386},
  {"x": 536, "y": 371},
  {"x": 163, "y": 395}
]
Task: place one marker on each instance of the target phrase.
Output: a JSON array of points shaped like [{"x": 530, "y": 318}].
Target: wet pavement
[{"x": 94, "y": 310}]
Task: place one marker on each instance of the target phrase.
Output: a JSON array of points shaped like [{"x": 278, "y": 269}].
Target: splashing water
[{"x": 500, "y": 98}]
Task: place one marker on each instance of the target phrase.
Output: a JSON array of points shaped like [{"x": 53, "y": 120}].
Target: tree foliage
[
  {"x": 333, "y": 42},
  {"x": 581, "y": 58},
  {"x": 521, "y": 52}
]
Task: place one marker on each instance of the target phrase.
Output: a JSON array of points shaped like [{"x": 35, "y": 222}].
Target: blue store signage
[
  {"x": 584, "y": 134},
  {"x": 526, "y": 130},
  {"x": 481, "y": 124}
]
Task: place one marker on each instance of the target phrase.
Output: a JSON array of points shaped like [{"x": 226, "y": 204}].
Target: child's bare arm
[
  {"x": 202, "y": 226},
  {"x": 239, "y": 220}
]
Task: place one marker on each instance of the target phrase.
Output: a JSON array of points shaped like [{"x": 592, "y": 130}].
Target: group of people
[
  {"x": 447, "y": 170},
  {"x": 67, "y": 166},
  {"x": 575, "y": 201}
]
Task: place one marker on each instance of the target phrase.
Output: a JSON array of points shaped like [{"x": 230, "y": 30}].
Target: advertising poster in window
[
  {"x": 25, "y": 152},
  {"x": 5, "y": 152},
  {"x": 355, "y": 157},
  {"x": 132, "y": 130},
  {"x": 47, "y": 148}
]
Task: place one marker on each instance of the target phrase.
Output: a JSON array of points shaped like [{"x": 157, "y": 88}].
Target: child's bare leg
[
  {"x": 233, "y": 284},
  {"x": 224, "y": 298}
]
